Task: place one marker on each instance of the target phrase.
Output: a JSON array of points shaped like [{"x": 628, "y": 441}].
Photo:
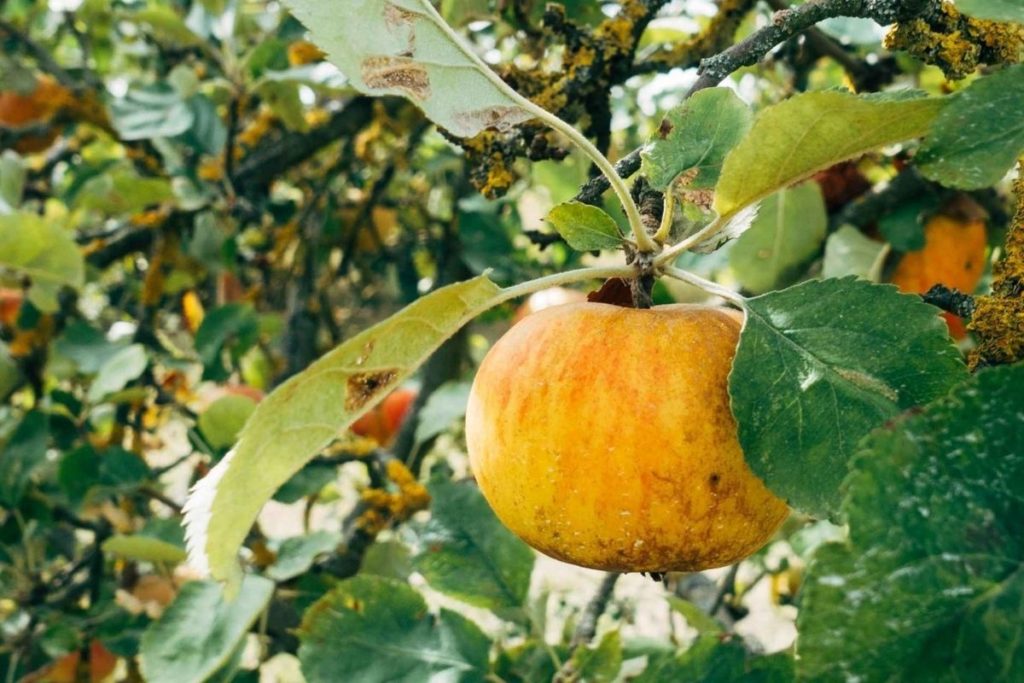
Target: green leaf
[
  {"x": 695, "y": 617},
  {"x": 166, "y": 24},
  {"x": 44, "y": 252},
  {"x": 903, "y": 227},
  {"x": 708, "y": 660},
  {"x": 978, "y": 137},
  {"x": 10, "y": 375},
  {"x": 23, "y": 453},
  {"x": 446, "y": 405},
  {"x": 12, "y": 181},
  {"x": 599, "y": 664},
  {"x": 848, "y": 251},
  {"x": 374, "y": 629},
  {"x": 468, "y": 554},
  {"x": 696, "y": 135},
  {"x": 221, "y": 422},
  {"x": 121, "y": 368},
  {"x": 297, "y": 554},
  {"x": 144, "y": 549},
  {"x": 931, "y": 578},
  {"x": 85, "y": 346},
  {"x": 156, "y": 111},
  {"x": 232, "y": 327},
  {"x": 208, "y": 134},
  {"x": 806, "y": 133},
  {"x": 787, "y": 232},
  {"x": 403, "y": 47},
  {"x": 304, "y": 414},
  {"x": 821, "y": 364},
  {"x": 994, "y": 10},
  {"x": 585, "y": 227},
  {"x": 122, "y": 191},
  {"x": 201, "y": 630}
]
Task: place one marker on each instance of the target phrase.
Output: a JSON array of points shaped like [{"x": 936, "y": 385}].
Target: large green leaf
[
  {"x": 821, "y": 364},
  {"x": 120, "y": 369},
  {"x": 403, "y": 47},
  {"x": 156, "y": 111},
  {"x": 585, "y": 227},
  {"x": 995, "y": 10},
  {"x": 806, "y": 133},
  {"x": 302, "y": 415},
  {"x": 44, "y": 252},
  {"x": 977, "y": 138},
  {"x": 788, "y": 231},
  {"x": 467, "y": 553},
  {"x": 374, "y": 629},
  {"x": 696, "y": 135},
  {"x": 24, "y": 451},
  {"x": 201, "y": 630},
  {"x": 144, "y": 549},
  {"x": 599, "y": 664},
  {"x": 930, "y": 584}
]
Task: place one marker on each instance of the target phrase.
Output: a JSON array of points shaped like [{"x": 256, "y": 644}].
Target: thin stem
[
  {"x": 707, "y": 285},
  {"x": 666, "y": 217},
  {"x": 565, "y": 278},
  {"x": 618, "y": 185},
  {"x": 669, "y": 255}
]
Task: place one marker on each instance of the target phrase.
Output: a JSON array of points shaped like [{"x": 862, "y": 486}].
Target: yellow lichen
[
  {"x": 998, "y": 319},
  {"x": 958, "y": 44}
]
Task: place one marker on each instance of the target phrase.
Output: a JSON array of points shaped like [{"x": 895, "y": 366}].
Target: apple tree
[{"x": 253, "y": 254}]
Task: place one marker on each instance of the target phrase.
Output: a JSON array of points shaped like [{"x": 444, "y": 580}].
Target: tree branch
[{"x": 795, "y": 20}]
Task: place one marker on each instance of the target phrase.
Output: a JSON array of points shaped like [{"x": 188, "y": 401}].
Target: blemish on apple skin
[{"x": 363, "y": 386}]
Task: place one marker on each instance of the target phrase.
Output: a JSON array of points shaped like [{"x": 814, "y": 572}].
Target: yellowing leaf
[
  {"x": 302, "y": 415},
  {"x": 809, "y": 132}
]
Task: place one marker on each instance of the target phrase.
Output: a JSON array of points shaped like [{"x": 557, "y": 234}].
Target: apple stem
[{"x": 707, "y": 285}]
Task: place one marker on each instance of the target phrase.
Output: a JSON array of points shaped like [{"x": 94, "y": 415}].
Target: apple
[
  {"x": 602, "y": 436},
  {"x": 10, "y": 305},
  {"x": 383, "y": 422}
]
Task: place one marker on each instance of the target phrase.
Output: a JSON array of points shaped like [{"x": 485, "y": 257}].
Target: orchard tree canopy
[{"x": 511, "y": 341}]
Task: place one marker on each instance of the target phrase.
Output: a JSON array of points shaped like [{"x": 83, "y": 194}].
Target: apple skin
[
  {"x": 383, "y": 422},
  {"x": 602, "y": 436},
  {"x": 10, "y": 305},
  {"x": 953, "y": 255}
]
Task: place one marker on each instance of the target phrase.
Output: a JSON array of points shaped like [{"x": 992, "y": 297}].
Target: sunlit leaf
[
  {"x": 806, "y": 133},
  {"x": 144, "y": 549}
]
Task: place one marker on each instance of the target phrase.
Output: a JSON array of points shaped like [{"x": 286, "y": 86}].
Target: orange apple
[
  {"x": 602, "y": 436},
  {"x": 953, "y": 255},
  {"x": 10, "y": 305},
  {"x": 383, "y": 422}
]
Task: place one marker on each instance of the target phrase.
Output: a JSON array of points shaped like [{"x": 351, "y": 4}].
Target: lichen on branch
[{"x": 998, "y": 319}]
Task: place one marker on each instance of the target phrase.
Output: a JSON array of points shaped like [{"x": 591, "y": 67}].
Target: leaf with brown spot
[
  {"x": 403, "y": 47},
  {"x": 304, "y": 414}
]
